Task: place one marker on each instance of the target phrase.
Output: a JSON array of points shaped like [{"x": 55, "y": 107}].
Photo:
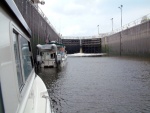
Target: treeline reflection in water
[{"x": 99, "y": 85}]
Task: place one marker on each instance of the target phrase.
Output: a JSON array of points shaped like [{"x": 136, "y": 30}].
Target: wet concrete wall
[
  {"x": 41, "y": 29},
  {"x": 134, "y": 41},
  {"x": 91, "y": 45},
  {"x": 87, "y": 45}
]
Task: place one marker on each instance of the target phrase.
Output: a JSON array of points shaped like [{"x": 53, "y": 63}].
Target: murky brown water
[{"x": 100, "y": 85}]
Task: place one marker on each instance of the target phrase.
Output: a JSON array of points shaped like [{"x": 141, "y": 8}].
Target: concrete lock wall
[
  {"x": 91, "y": 45},
  {"x": 72, "y": 45},
  {"x": 82, "y": 45},
  {"x": 41, "y": 29},
  {"x": 134, "y": 41}
]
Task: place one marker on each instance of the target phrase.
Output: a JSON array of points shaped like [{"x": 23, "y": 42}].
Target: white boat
[
  {"x": 52, "y": 54},
  {"x": 21, "y": 90}
]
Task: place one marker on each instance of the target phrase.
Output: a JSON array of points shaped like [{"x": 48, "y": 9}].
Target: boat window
[
  {"x": 1, "y": 102},
  {"x": 26, "y": 57},
  {"x": 17, "y": 59}
]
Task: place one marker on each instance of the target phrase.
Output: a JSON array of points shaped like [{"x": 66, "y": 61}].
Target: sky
[{"x": 82, "y": 17}]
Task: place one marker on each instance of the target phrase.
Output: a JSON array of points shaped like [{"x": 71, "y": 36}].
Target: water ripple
[{"x": 99, "y": 85}]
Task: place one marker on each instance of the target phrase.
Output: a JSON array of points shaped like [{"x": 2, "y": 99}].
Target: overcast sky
[{"x": 81, "y": 17}]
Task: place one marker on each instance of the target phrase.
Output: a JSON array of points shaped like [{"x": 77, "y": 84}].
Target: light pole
[
  {"x": 121, "y": 14},
  {"x": 121, "y": 30},
  {"x": 112, "y": 23},
  {"x": 98, "y": 29}
]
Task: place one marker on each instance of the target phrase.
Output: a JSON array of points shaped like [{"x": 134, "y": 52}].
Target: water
[{"x": 100, "y": 85}]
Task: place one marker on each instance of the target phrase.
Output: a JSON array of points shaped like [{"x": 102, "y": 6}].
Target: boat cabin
[{"x": 21, "y": 90}]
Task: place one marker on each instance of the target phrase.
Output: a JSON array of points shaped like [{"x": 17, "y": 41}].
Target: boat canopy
[
  {"x": 56, "y": 43},
  {"x": 47, "y": 48}
]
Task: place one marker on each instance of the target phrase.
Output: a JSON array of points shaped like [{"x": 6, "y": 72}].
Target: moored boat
[{"x": 52, "y": 54}]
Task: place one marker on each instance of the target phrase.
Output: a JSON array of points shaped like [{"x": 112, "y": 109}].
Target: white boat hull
[
  {"x": 21, "y": 90},
  {"x": 38, "y": 100}
]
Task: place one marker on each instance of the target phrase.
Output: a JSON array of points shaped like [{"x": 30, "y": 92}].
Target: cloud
[
  {"x": 81, "y": 17},
  {"x": 74, "y": 9},
  {"x": 72, "y": 30}
]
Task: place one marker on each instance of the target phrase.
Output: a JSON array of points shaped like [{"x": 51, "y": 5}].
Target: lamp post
[
  {"x": 98, "y": 29},
  {"x": 121, "y": 14},
  {"x": 112, "y": 23},
  {"x": 121, "y": 30},
  {"x": 42, "y": 2}
]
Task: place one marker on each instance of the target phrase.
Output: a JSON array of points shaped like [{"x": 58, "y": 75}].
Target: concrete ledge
[{"x": 87, "y": 54}]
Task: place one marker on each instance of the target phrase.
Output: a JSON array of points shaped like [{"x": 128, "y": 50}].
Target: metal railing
[
  {"x": 83, "y": 37},
  {"x": 79, "y": 37},
  {"x": 126, "y": 26},
  {"x": 136, "y": 22}
]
